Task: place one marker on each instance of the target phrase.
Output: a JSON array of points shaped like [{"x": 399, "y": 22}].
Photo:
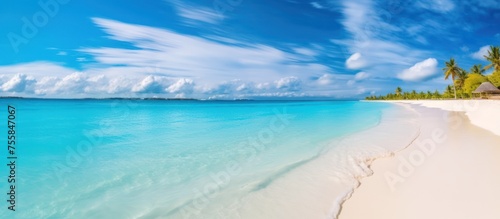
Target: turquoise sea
[{"x": 162, "y": 159}]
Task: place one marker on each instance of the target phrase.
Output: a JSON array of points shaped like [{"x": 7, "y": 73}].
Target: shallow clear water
[{"x": 155, "y": 159}]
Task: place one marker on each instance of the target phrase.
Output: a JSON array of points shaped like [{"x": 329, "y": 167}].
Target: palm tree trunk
[{"x": 455, "y": 89}]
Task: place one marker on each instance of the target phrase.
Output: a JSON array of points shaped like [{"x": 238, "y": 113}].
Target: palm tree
[
  {"x": 462, "y": 76},
  {"x": 477, "y": 69},
  {"x": 436, "y": 94},
  {"x": 406, "y": 95},
  {"x": 399, "y": 91},
  {"x": 452, "y": 70},
  {"x": 421, "y": 95},
  {"x": 449, "y": 90},
  {"x": 429, "y": 95},
  {"x": 494, "y": 57},
  {"x": 413, "y": 94}
]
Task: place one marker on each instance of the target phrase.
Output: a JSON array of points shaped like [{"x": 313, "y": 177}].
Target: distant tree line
[
  {"x": 464, "y": 82},
  {"x": 414, "y": 95}
]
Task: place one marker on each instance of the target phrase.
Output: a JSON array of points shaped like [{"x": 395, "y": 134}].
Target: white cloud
[
  {"x": 355, "y": 61},
  {"x": 374, "y": 40},
  {"x": 479, "y": 55},
  {"x": 441, "y": 6},
  {"x": 263, "y": 86},
  {"x": 288, "y": 84},
  {"x": 183, "y": 56},
  {"x": 361, "y": 76},
  {"x": 35, "y": 68},
  {"x": 242, "y": 87},
  {"x": 119, "y": 85},
  {"x": 199, "y": 14},
  {"x": 18, "y": 83},
  {"x": 305, "y": 51},
  {"x": 238, "y": 87},
  {"x": 420, "y": 71},
  {"x": 191, "y": 57},
  {"x": 167, "y": 64},
  {"x": 326, "y": 79},
  {"x": 362, "y": 19},
  {"x": 183, "y": 85},
  {"x": 150, "y": 84},
  {"x": 45, "y": 85},
  {"x": 361, "y": 90},
  {"x": 97, "y": 84},
  {"x": 317, "y": 5},
  {"x": 73, "y": 83},
  {"x": 193, "y": 14}
]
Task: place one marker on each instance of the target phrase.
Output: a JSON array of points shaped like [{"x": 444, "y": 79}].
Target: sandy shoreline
[
  {"x": 318, "y": 187},
  {"x": 482, "y": 113},
  {"x": 450, "y": 171}
]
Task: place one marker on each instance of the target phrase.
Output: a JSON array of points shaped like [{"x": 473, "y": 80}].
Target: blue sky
[{"x": 227, "y": 49}]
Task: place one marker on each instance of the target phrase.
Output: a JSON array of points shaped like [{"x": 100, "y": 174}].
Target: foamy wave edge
[{"x": 360, "y": 168}]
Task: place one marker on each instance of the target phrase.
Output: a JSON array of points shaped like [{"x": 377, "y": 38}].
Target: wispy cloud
[
  {"x": 326, "y": 79},
  {"x": 441, "y": 6},
  {"x": 41, "y": 68},
  {"x": 189, "y": 56},
  {"x": 481, "y": 6},
  {"x": 374, "y": 44},
  {"x": 420, "y": 71},
  {"x": 200, "y": 14},
  {"x": 305, "y": 51},
  {"x": 361, "y": 76},
  {"x": 194, "y": 14},
  {"x": 317, "y": 5},
  {"x": 167, "y": 63},
  {"x": 479, "y": 55},
  {"x": 355, "y": 61},
  {"x": 182, "y": 87},
  {"x": 288, "y": 84}
]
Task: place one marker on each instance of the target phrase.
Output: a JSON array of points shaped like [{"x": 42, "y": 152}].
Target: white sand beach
[
  {"x": 317, "y": 188},
  {"x": 452, "y": 170},
  {"x": 482, "y": 113}
]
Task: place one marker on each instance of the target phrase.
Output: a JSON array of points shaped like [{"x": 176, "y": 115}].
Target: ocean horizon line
[{"x": 185, "y": 99}]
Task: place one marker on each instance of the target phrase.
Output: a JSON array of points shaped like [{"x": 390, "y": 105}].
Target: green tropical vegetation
[
  {"x": 493, "y": 57},
  {"x": 452, "y": 70},
  {"x": 472, "y": 82},
  {"x": 477, "y": 69},
  {"x": 463, "y": 82}
]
